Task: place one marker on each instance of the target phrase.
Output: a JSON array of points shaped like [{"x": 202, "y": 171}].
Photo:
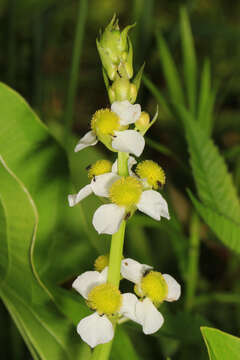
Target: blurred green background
[{"x": 36, "y": 46}]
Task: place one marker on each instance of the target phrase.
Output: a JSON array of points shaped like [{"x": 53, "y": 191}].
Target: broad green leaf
[
  {"x": 189, "y": 59},
  {"x": 48, "y": 333},
  {"x": 41, "y": 163},
  {"x": 213, "y": 181},
  {"x": 220, "y": 345},
  {"x": 170, "y": 71},
  {"x": 226, "y": 230}
]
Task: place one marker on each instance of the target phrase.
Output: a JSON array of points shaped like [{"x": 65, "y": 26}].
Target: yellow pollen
[
  {"x": 105, "y": 122},
  {"x": 105, "y": 298},
  {"x": 101, "y": 262},
  {"x": 154, "y": 287},
  {"x": 152, "y": 172},
  {"x": 126, "y": 191},
  {"x": 100, "y": 167}
]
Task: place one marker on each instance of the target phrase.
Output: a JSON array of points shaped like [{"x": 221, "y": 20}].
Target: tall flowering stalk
[{"x": 121, "y": 129}]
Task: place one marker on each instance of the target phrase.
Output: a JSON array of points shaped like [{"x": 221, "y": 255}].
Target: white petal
[
  {"x": 153, "y": 204},
  {"x": 132, "y": 270},
  {"x": 74, "y": 199},
  {"x": 86, "y": 281},
  {"x": 127, "y": 112},
  {"x": 128, "y": 308},
  {"x": 104, "y": 273},
  {"x": 174, "y": 288},
  {"x": 101, "y": 183},
  {"x": 148, "y": 316},
  {"x": 87, "y": 140},
  {"x": 129, "y": 141},
  {"x": 107, "y": 218},
  {"x": 131, "y": 161},
  {"x": 95, "y": 329}
]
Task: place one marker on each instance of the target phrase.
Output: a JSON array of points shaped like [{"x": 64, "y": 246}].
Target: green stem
[
  {"x": 74, "y": 72},
  {"x": 123, "y": 164},
  {"x": 116, "y": 255},
  {"x": 193, "y": 262},
  {"x": 102, "y": 352}
]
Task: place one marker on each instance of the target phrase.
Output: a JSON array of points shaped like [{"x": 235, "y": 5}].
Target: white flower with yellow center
[
  {"x": 153, "y": 288},
  {"x": 108, "y": 303},
  {"x": 102, "y": 174},
  {"x": 127, "y": 195},
  {"x": 111, "y": 128}
]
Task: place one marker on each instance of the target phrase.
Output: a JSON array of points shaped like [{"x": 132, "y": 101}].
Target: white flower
[
  {"x": 127, "y": 112},
  {"x": 100, "y": 184},
  {"x": 130, "y": 141},
  {"x": 96, "y": 328},
  {"x": 146, "y": 313},
  {"x": 107, "y": 218}
]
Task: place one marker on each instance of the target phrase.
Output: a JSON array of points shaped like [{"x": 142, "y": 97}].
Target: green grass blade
[
  {"x": 157, "y": 94},
  {"x": 205, "y": 89},
  {"x": 74, "y": 72},
  {"x": 206, "y": 98},
  {"x": 189, "y": 59},
  {"x": 170, "y": 71}
]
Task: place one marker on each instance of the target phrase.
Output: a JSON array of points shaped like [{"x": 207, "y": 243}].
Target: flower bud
[
  {"x": 143, "y": 121},
  {"x": 115, "y": 50},
  {"x": 122, "y": 90}
]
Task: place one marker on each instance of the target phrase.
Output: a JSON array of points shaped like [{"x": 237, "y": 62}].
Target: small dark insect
[
  {"x": 160, "y": 185},
  {"x": 94, "y": 178},
  {"x": 127, "y": 216},
  {"x": 146, "y": 272},
  {"x": 88, "y": 167}
]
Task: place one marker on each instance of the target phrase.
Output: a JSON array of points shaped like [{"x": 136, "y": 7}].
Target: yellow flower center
[
  {"x": 101, "y": 262},
  {"x": 152, "y": 172},
  {"x": 126, "y": 192},
  {"x": 105, "y": 122},
  {"x": 105, "y": 298},
  {"x": 154, "y": 287},
  {"x": 100, "y": 167}
]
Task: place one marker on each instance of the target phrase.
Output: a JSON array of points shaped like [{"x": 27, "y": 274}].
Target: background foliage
[{"x": 192, "y": 72}]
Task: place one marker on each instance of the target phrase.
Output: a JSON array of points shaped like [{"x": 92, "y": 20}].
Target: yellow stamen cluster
[
  {"x": 101, "y": 262},
  {"x": 99, "y": 167},
  {"x": 152, "y": 172},
  {"x": 154, "y": 287},
  {"x": 126, "y": 192},
  {"x": 105, "y": 298},
  {"x": 105, "y": 122}
]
